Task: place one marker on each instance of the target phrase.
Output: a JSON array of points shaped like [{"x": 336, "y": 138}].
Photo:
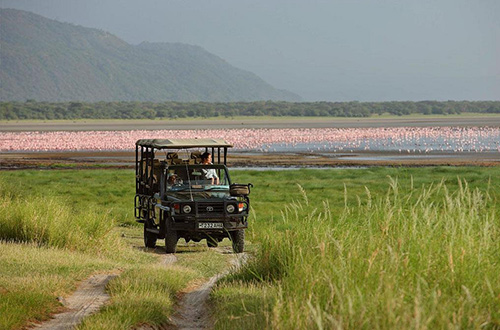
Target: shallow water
[
  {"x": 294, "y": 168},
  {"x": 414, "y": 144}
]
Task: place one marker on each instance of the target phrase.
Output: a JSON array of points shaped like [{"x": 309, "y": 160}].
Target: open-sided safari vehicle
[{"x": 177, "y": 196}]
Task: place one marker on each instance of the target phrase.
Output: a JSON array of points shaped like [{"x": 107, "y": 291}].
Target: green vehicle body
[{"x": 174, "y": 198}]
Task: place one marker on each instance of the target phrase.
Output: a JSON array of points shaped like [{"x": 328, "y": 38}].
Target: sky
[{"x": 336, "y": 50}]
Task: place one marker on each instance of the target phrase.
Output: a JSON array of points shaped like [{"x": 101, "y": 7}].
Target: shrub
[{"x": 48, "y": 221}]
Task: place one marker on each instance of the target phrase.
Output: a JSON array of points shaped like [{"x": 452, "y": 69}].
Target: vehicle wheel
[
  {"x": 212, "y": 242},
  {"x": 171, "y": 241},
  {"x": 149, "y": 237},
  {"x": 238, "y": 239}
]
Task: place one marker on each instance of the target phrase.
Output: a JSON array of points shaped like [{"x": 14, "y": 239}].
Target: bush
[{"x": 48, "y": 221}]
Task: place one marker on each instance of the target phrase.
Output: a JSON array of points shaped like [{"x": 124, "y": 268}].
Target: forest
[{"x": 171, "y": 110}]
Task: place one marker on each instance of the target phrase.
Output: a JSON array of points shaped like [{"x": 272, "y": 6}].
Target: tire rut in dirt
[
  {"x": 193, "y": 311},
  {"x": 86, "y": 300}
]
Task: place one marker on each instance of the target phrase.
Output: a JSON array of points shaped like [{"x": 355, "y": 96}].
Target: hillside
[{"x": 47, "y": 60}]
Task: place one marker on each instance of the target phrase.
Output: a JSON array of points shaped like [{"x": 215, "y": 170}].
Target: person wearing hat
[{"x": 173, "y": 179}]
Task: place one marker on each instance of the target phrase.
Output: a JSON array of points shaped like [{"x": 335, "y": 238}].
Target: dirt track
[
  {"x": 87, "y": 299},
  {"x": 192, "y": 311}
]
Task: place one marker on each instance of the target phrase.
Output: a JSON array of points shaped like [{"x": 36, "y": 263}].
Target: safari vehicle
[{"x": 176, "y": 196}]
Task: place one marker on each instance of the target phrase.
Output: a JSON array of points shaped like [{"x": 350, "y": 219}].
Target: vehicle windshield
[{"x": 204, "y": 181}]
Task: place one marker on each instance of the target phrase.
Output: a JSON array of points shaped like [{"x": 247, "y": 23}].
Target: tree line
[{"x": 171, "y": 110}]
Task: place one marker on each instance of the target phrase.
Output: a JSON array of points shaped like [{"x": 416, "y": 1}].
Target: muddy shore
[{"x": 54, "y": 160}]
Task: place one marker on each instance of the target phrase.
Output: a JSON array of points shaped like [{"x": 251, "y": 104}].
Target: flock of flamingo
[{"x": 400, "y": 139}]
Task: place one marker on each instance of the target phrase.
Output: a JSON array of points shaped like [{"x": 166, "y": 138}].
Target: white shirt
[{"x": 210, "y": 173}]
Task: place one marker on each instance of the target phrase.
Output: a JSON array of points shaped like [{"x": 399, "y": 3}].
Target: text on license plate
[{"x": 210, "y": 225}]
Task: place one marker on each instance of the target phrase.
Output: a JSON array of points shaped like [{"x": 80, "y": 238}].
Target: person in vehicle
[
  {"x": 209, "y": 173},
  {"x": 173, "y": 179}
]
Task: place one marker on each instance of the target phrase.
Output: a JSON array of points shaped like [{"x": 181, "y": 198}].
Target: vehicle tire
[
  {"x": 171, "y": 241},
  {"x": 238, "y": 240},
  {"x": 149, "y": 237},
  {"x": 212, "y": 242}
]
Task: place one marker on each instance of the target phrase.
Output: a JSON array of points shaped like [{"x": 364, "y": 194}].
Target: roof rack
[{"x": 183, "y": 143}]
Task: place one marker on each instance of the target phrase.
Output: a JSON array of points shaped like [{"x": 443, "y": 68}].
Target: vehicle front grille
[{"x": 210, "y": 208}]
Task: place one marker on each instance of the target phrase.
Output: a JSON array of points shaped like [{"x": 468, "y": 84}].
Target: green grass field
[
  {"x": 352, "y": 248},
  {"x": 59, "y": 227},
  {"x": 378, "y": 248}
]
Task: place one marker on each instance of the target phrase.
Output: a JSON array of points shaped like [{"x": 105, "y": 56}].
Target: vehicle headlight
[
  {"x": 230, "y": 208},
  {"x": 242, "y": 207},
  {"x": 186, "y": 209}
]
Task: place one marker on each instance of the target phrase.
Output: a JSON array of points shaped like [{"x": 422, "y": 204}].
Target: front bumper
[{"x": 192, "y": 223}]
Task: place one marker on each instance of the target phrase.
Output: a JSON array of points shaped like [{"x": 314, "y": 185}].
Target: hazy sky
[{"x": 365, "y": 50}]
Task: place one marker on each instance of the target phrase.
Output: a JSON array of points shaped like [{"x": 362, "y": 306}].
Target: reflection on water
[
  {"x": 295, "y": 168},
  {"x": 403, "y": 140},
  {"x": 420, "y": 145}
]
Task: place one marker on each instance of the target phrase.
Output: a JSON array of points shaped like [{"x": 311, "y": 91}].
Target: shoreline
[
  {"x": 122, "y": 159},
  {"x": 258, "y": 159}
]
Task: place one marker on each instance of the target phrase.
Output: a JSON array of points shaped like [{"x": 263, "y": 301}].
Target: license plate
[{"x": 210, "y": 225}]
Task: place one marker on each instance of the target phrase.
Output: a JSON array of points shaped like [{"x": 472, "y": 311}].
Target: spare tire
[{"x": 239, "y": 189}]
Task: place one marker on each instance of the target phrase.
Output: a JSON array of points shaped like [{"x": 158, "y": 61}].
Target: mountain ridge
[{"x": 48, "y": 60}]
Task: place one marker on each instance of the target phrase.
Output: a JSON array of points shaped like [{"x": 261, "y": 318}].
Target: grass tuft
[
  {"x": 143, "y": 295},
  {"x": 46, "y": 220}
]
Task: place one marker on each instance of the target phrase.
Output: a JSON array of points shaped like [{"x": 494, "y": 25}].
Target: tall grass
[
  {"x": 108, "y": 191},
  {"x": 415, "y": 258},
  {"x": 46, "y": 220}
]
